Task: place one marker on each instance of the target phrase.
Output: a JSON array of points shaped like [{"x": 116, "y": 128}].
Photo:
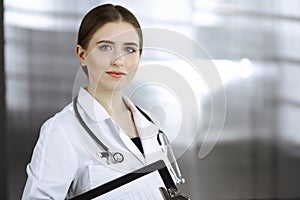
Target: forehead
[{"x": 117, "y": 32}]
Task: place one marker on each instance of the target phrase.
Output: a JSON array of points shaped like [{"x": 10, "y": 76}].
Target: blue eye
[
  {"x": 130, "y": 49},
  {"x": 105, "y": 47}
]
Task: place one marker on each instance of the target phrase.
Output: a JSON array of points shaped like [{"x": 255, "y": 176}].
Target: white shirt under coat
[{"x": 65, "y": 161}]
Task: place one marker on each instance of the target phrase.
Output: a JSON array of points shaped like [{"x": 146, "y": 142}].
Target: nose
[{"x": 118, "y": 61}]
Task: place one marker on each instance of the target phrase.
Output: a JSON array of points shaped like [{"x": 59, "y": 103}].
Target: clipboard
[{"x": 148, "y": 183}]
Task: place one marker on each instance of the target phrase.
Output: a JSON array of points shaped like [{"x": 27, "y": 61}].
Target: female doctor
[{"x": 67, "y": 160}]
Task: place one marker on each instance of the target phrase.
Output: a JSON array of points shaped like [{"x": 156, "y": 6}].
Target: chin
[{"x": 113, "y": 87}]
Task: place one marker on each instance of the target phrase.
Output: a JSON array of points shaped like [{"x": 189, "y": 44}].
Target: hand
[{"x": 166, "y": 195}]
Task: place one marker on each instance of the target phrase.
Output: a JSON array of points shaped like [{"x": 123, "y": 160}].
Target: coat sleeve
[{"x": 52, "y": 166}]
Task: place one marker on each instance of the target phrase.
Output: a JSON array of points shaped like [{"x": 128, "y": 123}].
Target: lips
[{"x": 116, "y": 74}]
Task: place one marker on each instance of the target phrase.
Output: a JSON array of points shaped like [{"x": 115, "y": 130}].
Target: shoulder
[
  {"x": 60, "y": 130},
  {"x": 63, "y": 115},
  {"x": 53, "y": 162},
  {"x": 55, "y": 132},
  {"x": 54, "y": 143},
  {"x": 59, "y": 120}
]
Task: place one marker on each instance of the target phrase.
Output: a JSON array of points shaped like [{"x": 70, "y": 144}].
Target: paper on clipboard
[
  {"x": 146, "y": 188},
  {"x": 145, "y": 183}
]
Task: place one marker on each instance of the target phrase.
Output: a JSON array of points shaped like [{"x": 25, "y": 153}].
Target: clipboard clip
[{"x": 172, "y": 194}]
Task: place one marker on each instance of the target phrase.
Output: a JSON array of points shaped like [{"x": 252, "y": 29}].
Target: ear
[{"x": 81, "y": 54}]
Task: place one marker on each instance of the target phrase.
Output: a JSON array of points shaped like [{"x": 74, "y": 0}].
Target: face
[{"x": 112, "y": 56}]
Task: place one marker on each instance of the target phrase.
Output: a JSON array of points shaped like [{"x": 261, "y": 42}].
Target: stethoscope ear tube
[{"x": 164, "y": 141}]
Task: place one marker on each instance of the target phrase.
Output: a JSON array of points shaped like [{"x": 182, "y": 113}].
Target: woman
[{"x": 66, "y": 160}]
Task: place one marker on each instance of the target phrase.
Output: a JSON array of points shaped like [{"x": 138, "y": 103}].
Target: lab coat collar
[
  {"x": 97, "y": 113},
  {"x": 139, "y": 119},
  {"x": 146, "y": 129},
  {"x": 147, "y": 132},
  {"x": 91, "y": 106}
]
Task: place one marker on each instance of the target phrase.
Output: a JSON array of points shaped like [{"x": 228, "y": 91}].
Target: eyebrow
[{"x": 111, "y": 42}]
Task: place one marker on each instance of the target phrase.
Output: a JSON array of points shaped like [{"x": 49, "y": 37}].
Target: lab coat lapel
[
  {"x": 150, "y": 144},
  {"x": 132, "y": 147},
  {"x": 149, "y": 141},
  {"x": 147, "y": 131}
]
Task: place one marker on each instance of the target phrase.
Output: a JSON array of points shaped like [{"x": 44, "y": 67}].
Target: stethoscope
[{"x": 118, "y": 157}]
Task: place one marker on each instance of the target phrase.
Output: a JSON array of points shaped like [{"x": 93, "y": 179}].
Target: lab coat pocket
[{"x": 100, "y": 174}]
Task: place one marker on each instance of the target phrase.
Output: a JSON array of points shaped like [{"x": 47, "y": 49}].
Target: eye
[
  {"x": 130, "y": 49},
  {"x": 105, "y": 47}
]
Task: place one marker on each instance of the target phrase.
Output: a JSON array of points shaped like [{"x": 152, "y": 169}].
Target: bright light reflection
[
  {"x": 228, "y": 71},
  {"x": 246, "y": 68},
  {"x": 233, "y": 70}
]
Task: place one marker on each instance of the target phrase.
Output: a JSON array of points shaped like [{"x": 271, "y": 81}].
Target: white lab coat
[{"x": 65, "y": 161}]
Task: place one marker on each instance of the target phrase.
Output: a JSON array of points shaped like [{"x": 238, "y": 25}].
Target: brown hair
[{"x": 99, "y": 16}]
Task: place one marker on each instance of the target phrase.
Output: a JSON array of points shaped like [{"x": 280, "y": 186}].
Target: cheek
[
  {"x": 97, "y": 65},
  {"x": 133, "y": 62}
]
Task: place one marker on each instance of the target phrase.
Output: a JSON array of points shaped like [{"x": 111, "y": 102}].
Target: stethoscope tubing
[
  {"x": 160, "y": 135},
  {"x": 88, "y": 130}
]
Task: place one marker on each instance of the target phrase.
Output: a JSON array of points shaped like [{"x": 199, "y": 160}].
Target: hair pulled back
[{"x": 101, "y": 15}]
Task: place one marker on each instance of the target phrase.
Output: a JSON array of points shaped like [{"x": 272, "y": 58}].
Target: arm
[{"x": 53, "y": 164}]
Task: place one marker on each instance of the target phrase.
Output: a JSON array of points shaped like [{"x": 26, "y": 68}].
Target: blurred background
[{"x": 254, "y": 44}]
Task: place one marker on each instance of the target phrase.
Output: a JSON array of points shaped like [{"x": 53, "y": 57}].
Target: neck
[{"x": 112, "y": 101}]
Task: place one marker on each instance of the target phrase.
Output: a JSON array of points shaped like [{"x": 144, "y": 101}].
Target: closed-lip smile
[{"x": 116, "y": 74}]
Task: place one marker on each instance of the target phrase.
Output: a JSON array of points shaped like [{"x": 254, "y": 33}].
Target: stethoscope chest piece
[
  {"x": 112, "y": 157},
  {"x": 118, "y": 157}
]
